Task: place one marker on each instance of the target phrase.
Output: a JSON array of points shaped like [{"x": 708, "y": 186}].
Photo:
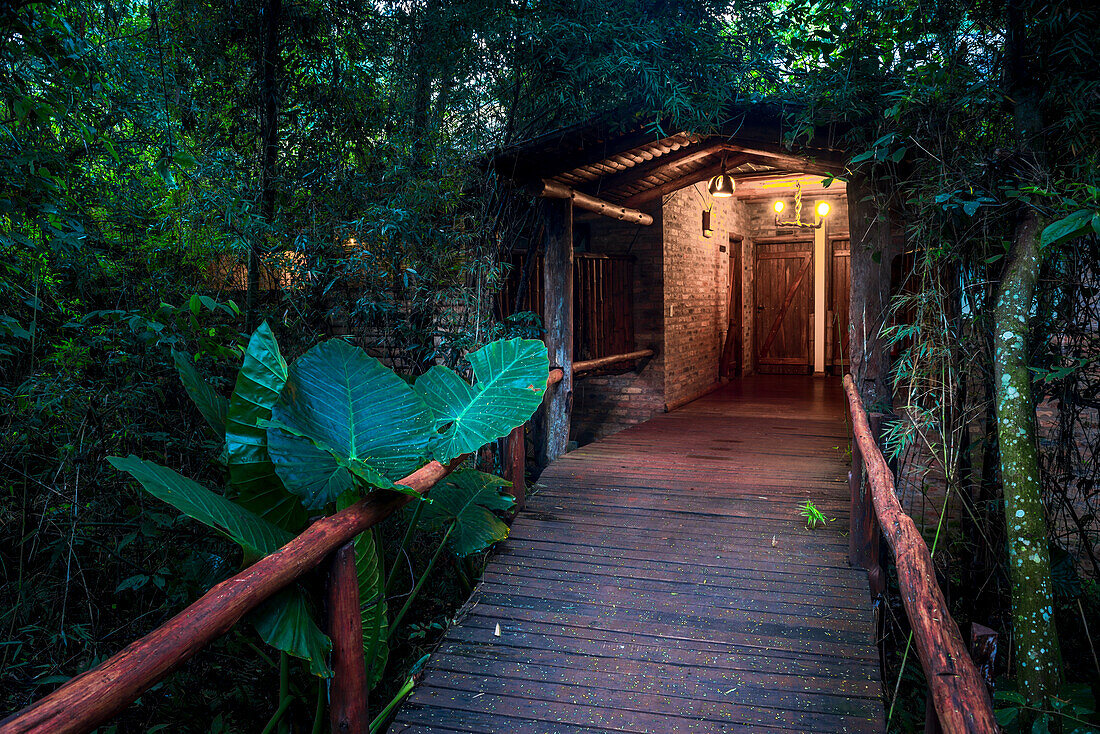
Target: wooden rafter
[
  {"x": 656, "y": 167},
  {"x": 702, "y": 174},
  {"x": 554, "y": 162},
  {"x": 787, "y": 161}
]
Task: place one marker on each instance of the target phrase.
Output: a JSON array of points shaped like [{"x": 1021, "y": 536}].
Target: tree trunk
[
  {"x": 269, "y": 140},
  {"x": 1038, "y": 657},
  {"x": 872, "y": 253}
]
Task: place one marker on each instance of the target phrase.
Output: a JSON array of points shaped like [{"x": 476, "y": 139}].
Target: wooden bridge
[{"x": 663, "y": 579}]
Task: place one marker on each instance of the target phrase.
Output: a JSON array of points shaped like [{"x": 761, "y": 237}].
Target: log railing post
[
  {"x": 348, "y": 712},
  {"x": 863, "y": 535},
  {"x": 860, "y": 520},
  {"x": 983, "y": 649},
  {"x": 516, "y": 462}
]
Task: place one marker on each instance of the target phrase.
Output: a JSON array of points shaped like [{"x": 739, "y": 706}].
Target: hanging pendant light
[{"x": 721, "y": 186}]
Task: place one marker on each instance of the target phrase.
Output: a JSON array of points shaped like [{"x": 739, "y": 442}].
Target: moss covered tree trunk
[{"x": 1038, "y": 657}]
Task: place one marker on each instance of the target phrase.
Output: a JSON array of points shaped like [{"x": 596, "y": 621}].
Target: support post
[
  {"x": 558, "y": 319},
  {"x": 348, "y": 713},
  {"x": 517, "y": 465},
  {"x": 820, "y": 305},
  {"x": 863, "y": 535}
]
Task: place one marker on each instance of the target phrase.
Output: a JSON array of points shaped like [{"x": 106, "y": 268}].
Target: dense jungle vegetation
[{"x": 197, "y": 188}]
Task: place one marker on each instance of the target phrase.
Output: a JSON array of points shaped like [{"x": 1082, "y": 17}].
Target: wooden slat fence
[{"x": 603, "y": 300}]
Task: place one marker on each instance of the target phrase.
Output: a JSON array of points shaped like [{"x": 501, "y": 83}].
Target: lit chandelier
[{"x": 820, "y": 212}]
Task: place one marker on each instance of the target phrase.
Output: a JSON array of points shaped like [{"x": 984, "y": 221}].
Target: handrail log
[
  {"x": 96, "y": 695},
  {"x": 594, "y": 364},
  {"x": 957, "y": 689}
]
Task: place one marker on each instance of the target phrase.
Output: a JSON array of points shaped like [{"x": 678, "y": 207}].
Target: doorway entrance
[{"x": 783, "y": 293}]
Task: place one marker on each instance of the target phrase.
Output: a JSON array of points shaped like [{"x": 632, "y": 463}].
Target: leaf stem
[
  {"x": 384, "y": 714},
  {"x": 319, "y": 707},
  {"x": 284, "y": 691},
  {"x": 277, "y": 717},
  {"x": 418, "y": 506},
  {"x": 420, "y": 583}
]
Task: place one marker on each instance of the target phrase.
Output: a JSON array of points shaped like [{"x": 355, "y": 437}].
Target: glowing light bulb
[
  {"x": 778, "y": 206},
  {"x": 823, "y": 209}
]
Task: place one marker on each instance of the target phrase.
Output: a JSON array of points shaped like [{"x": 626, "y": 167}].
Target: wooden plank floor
[{"x": 662, "y": 580}]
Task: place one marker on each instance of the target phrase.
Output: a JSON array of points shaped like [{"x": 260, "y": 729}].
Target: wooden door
[
  {"x": 783, "y": 286},
  {"x": 731, "y": 351},
  {"x": 839, "y": 287}
]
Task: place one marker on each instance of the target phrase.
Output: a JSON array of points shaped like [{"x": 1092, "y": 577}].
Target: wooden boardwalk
[{"x": 663, "y": 580}]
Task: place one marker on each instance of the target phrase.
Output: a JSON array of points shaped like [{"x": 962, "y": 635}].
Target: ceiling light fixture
[
  {"x": 721, "y": 186},
  {"x": 820, "y": 212}
]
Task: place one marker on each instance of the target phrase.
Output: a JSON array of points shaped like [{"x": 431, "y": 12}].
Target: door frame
[{"x": 764, "y": 335}]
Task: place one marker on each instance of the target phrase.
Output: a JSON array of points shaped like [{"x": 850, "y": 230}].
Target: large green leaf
[
  {"x": 213, "y": 407},
  {"x": 286, "y": 623},
  {"x": 468, "y": 498},
  {"x": 510, "y": 379},
  {"x": 259, "y": 383},
  {"x": 256, "y": 536},
  {"x": 1070, "y": 227},
  {"x": 342, "y": 415}
]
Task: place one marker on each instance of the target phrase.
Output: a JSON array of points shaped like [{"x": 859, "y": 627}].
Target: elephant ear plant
[{"x": 308, "y": 439}]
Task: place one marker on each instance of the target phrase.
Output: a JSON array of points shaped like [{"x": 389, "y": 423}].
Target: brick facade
[
  {"x": 696, "y": 274},
  {"x": 680, "y": 310},
  {"x": 760, "y": 223},
  {"x": 681, "y": 302}
]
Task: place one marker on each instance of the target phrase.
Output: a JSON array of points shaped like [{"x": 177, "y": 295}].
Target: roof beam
[
  {"x": 786, "y": 161},
  {"x": 581, "y": 200},
  {"x": 659, "y": 192},
  {"x": 584, "y": 153}
]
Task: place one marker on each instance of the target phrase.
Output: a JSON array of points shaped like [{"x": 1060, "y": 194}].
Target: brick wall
[
  {"x": 681, "y": 303},
  {"x": 696, "y": 278}
]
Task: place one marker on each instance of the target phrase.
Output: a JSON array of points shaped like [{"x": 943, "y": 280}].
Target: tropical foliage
[{"x": 326, "y": 431}]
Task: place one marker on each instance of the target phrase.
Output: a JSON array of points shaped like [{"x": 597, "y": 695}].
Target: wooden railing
[
  {"x": 614, "y": 360},
  {"x": 956, "y": 688},
  {"x": 96, "y": 695}
]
